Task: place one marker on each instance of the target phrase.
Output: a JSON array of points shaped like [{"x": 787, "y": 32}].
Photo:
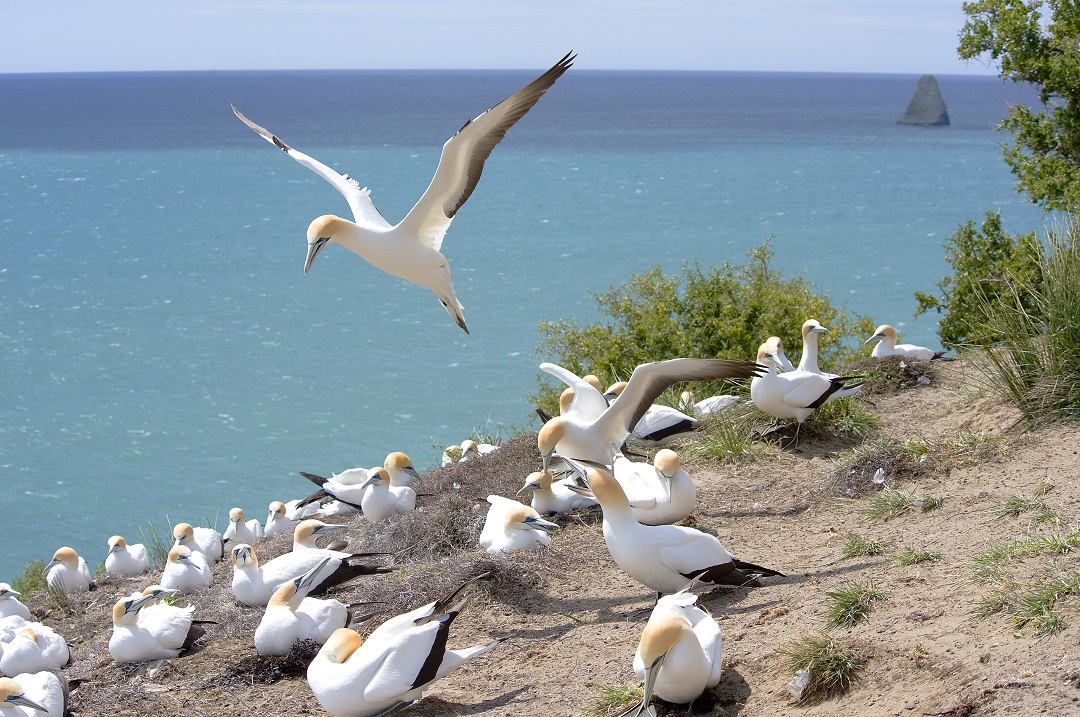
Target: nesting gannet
[
  {"x": 277, "y": 520},
  {"x": 186, "y": 571},
  {"x": 379, "y": 503},
  {"x": 354, "y": 678},
  {"x": 550, "y": 496},
  {"x": 664, "y": 558},
  {"x": 660, "y": 425},
  {"x": 711, "y": 404},
  {"x": 792, "y": 394},
  {"x": 466, "y": 450},
  {"x": 34, "y": 694},
  {"x": 253, "y": 584},
  {"x": 660, "y": 493},
  {"x": 199, "y": 540},
  {"x": 348, "y": 487},
  {"x": 241, "y": 530},
  {"x": 10, "y": 605},
  {"x": 401, "y": 470},
  {"x": 157, "y": 616},
  {"x": 410, "y": 250},
  {"x": 126, "y": 560},
  {"x": 291, "y": 615},
  {"x": 573, "y": 436},
  {"x": 67, "y": 572},
  {"x": 678, "y": 655},
  {"x": 306, "y": 531},
  {"x": 885, "y": 336},
  {"x": 511, "y": 525},
  {"x": 133, "y": 640},
  {"x": 34, "y": 647}
]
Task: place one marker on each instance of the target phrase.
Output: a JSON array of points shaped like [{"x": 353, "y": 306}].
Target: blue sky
[{"x": 904, "y": 36}]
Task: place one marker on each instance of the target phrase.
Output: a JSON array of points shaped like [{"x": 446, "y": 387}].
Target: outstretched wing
[
  {"x": 359, "y": 199},
  {"x": 464, "y": 154}
]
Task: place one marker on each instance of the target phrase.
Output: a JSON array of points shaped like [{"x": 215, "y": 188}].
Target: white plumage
[
  {"x": 240, "y": 530},
  {"x": 550, "y": 496},
  {"x": 886, "y": 338},
  {"x": 199, "y": 540},
  {"x": 10, "y": 604},
  {"x": 33, "y": 647},
  {"x": 511, "y": 525},
  {"x": 133, "y": 640},
  {"x": 36, "y": 694},
  {"x": 67, "y": 572},
  {"x": 410, "y": 250},
  {"x": 186, "y": 571},
  {"x": 291, "y": 615},
  {"x": 659, "y": 493},
  {"x": 126, "y": 560}
]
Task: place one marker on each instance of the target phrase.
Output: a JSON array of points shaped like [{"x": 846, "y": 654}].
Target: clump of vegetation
[
  {"x": 890, "y": 374},
  {"x": 989, "y": 565},
  {"x": 914, "y": 556},
  {"x": 1017, "y": 505},
  {"x": 715, "y": 312},
  {"x": 32, "y": 580},
  {"x": 888, "y": 504},
  {"x": 613, "y": 699},
  {"x": 851, "y": 602},
  {"x": 856, "y": 546},
  {"x": 832, "y": 665},
  {"x": 728, "y": 437},
  {"x": 1034, "y": 604},
  {"x": 986, "y": 264},
  {"x": 845, "y": 417},
  {"x": 1035, "y": 363}
]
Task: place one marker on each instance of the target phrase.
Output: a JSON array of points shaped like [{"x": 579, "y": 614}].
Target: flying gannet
[{"x": 410, "y": 250}]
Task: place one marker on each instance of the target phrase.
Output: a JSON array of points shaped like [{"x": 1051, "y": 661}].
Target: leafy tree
[
  {"x": 715, "y": 312},
  {"x": 1036, "y": 42},
  {"x": 989, "y": 264}
]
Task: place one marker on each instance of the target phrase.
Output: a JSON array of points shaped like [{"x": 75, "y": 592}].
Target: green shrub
[
  {"x": 1035, "y": 363},
  {"x": 987, "y": 263},
  {"x": 716, "y": 312}
]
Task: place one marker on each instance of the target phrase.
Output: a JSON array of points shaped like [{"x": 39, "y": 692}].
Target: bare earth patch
[{"x": 568, "y": 614}]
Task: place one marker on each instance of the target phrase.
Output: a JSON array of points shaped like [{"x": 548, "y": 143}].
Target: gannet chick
[
  {"x": 126, "y": 560},
  {"x": 678, "y": 656},
  {"x": 132, "y": 641},
  {"x": 10, "y": 605},
  {"x": 240, "y": 530},
  {"x": 712, "y": 404},
  {"x": 36, "y": 694},
  {"x": 550, "y": 497},
  {"x": 67, "y": 572},
  {"x": 660, "y": 493},
  {"x": 34, "y": 647},
  {"x": 353, "y": 678},
  {"x": 199, "y": 540},
  {"x": 254, "y": 584},
  {"x": 277, "y": 521},
  {"x": 885, "y": 336},
  {"x": 306, "y": 531},
  {"x": 792, "y": 394},
  {"x": 664, "y": 558},
  {"x": 511, "y": 525},
  {"x": 379, "y": 503},
  {"x": 186, "y": 571},
  {"x": 574, "y": 436},
  {"x": 410, "y": 250},
  {"x": 291, "y": 615}
]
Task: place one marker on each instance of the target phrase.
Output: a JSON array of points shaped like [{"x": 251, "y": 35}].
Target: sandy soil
[{"x": 567, "y": 613}]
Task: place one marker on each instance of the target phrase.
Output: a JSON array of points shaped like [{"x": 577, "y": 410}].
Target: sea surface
[{"x": 164, "y": 358}]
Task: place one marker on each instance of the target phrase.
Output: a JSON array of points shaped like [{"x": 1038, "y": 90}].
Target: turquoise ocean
[{"x": 163, "y": 356}]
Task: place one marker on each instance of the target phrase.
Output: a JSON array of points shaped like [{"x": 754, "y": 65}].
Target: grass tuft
[
  {"x": 610, "y": 699},
  {"x": 32, "y": 580},
  {"x": 856, "y": 546},
  {"x": 728, "y": 438},
  {"x": 845, "y": 417},
  {"x": 851, "y": 602},
  {"x": 888, "y": 504},
  {"x": 1034, "y": 604},
  {"x": 913, "y": 556},
  {"x": 833, "y": 666}
]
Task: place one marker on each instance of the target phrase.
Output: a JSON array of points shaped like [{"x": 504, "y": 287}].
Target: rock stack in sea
[{"x": 927, "y": 107}]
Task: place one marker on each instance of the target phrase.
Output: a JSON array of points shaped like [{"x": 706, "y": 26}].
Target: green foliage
[
  {"x": 1035, "y": 41},
  {"x": 611, "y": 698},
  {"x": 728, "y": 438},
  {"x": 987, "y": 262},
  {"x": 716, "y": 312},
  {"x": 32, "y": 579},
  {"x": 858, "y": 546},
  {"x": 914, "y": 556},
  {"x": 1036, "y": 362}
]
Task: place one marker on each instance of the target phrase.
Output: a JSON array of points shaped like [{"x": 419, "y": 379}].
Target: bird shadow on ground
[{"x": 436, "y": 706}]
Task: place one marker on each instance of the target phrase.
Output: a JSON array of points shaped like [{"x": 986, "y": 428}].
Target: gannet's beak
[
  {"x": 313, "y": 251},
  {"x": 22, "y": 701},
  {"x": 875, "y": 337},
  {"x": 541, "y": 524}
]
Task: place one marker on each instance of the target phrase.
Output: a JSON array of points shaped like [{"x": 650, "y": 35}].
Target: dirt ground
[{"x": 567, "y": 613}]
